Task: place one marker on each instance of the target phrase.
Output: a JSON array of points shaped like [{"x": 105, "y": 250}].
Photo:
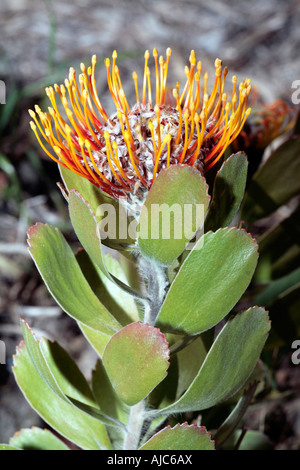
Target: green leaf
[
  {"x": 274, "y": 183},
  {"x": 121, "y": 298},
  {"x": 65, "y": 281},
  {"x": 228, "y": 363},
  {"x": 37, "y": 439},
  {"x": 90, "y": 192},
  {"x": 277, "y": 287},
  {"x": 96, "y": 339},
  {"x": 96, "y": 198},
  {"x": 66, "y": 372},
  {"x": 62, "y": 377},
  {"x": 210, "y": 282},
  {"x": 109, "y": 402},
  {"x": 180, "y": 437},
  {"x": 121, "y": 304},
  {"x": 136, "y": 360},
  {"x": 189, "y": 361},
  {"x": 165, "y": 392},
  {"x": 39, "y": 361},
  {"x": 72, "y": 423},
  {"x": 287, "y": 262},
  {"x": 85, "y": 225},
  {"x": 105, "y": 395},
  {"x": 179, "y": 195},
  {"x": 228, "y": 192},
  {"x": 280, "y": 237}
]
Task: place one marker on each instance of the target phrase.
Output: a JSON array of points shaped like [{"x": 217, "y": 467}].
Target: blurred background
[{"x": 39, "y": 41}]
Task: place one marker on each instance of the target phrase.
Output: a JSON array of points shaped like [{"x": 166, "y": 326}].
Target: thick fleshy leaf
[
  {"x": 210, "y": 282},
  {"x": 274, "y": 183},
  {"x": 96, "y": 199},
  {"x": 109, "y": 403},
  {"x": 84, "y": 430},
  {"x": 89, "y": 191},
  {"x": 277, "y": 287},
  {"x": 228, "y": 192},
  {"x": 120, "y": 297},
  {"x": 180, "y": 437},
  {"x": 136, "y": 361},
  {"x": 37, "y": 439},
  {"x": 61, "y": 375},
  {"x": 228, "y": 363},
  {"x": 96, "y": 339},
  {"x": 121, "y": 304},
  {"x": 39, "y": 361},
  {"x": 65, "y": 281},
  {"x": 165, "y": 393},
  {"x": 172, "y": 213},
  {"x": 105, "y": 395},
  {"x": 85, "y": 225},
  {"x": 66, "y": 372},
  {"x": 189, "y": 361},
  {"x": 257, "y": 379}
]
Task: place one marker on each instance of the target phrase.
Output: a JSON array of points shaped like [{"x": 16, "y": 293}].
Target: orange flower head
[
  {"x": 267, "y": 122},
  {"x": 123, "y": 153}
]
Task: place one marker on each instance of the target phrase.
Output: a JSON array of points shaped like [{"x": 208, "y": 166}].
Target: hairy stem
[
  {"x": 135, "y": 426},
  {"x": 157, "y": 282},
  {"x": 155, "y": 278}
]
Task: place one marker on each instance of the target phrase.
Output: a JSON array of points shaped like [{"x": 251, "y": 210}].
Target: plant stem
[
  {"x": 135, "y": 426},
  {"x": 155, "y": 278},
  {"x": 157, "y": 282}
]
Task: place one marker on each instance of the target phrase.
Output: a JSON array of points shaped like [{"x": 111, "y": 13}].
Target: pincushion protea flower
[
  {"x": 267, "y": 122},
  {"x": 123, "y": 153}
]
